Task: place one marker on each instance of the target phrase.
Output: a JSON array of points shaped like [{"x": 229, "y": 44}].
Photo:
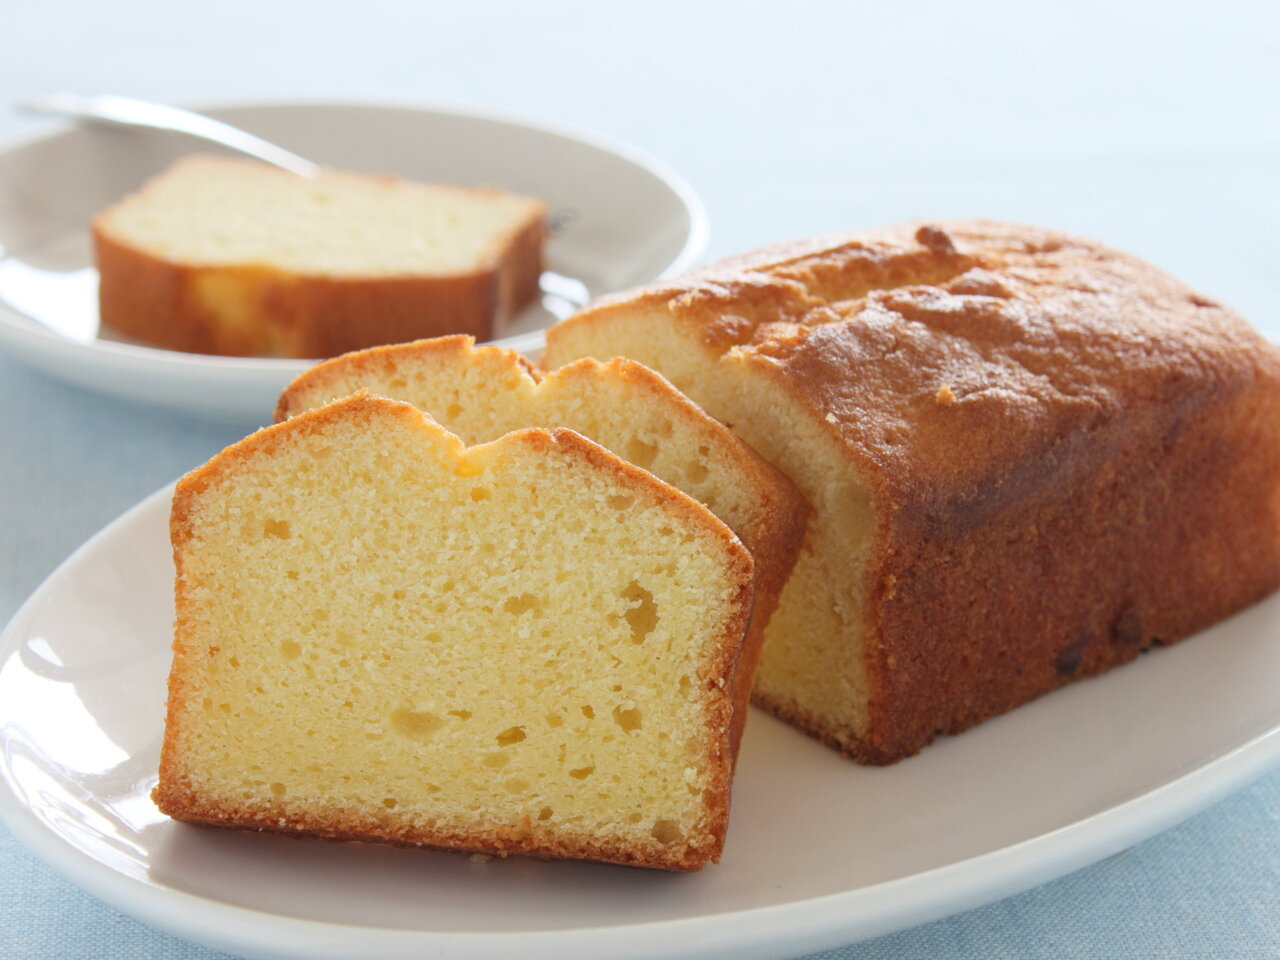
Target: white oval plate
[
  {"x": 628, "y": 220},
  {"x": 820, "y": 851}
]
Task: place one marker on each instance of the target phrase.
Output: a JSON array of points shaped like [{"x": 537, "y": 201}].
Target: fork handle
[{"x": 128, "y": 112}]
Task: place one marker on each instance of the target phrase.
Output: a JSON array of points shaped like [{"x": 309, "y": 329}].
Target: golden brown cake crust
[
  {"x": 325, "y": 377},
  {"x": 725, "y": 302},
  {"x": 1072, "y": 455},
  {"x": 256, "y": 310},
  {"x": 175, "y": 796}
]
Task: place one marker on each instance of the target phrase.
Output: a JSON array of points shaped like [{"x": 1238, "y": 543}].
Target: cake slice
[
  {"x": 481, "y": 393},
  {"x": 519, "y": 647},
  {"x": 1029, "y": 458},
  {"x": 234, "y": 257}
]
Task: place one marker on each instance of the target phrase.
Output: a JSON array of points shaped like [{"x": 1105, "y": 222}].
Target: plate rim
[
  {"x": 777, "y": 930},
  {"x": 129, "y": 356}
]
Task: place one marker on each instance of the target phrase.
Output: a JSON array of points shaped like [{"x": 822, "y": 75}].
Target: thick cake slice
[
  {"x": 1029, "y": 458},
  {"x": 520, "y": 647},
  {"x": 234, "y": 257},
  {"x": 482, "y": 393}
]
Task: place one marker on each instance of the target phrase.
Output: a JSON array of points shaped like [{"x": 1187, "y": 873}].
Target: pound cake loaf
[
  {"x": 481, "y": 393},
  {"x": 1029, "y": 458},
  {"x": 519, "y": 647},
  {"x": 234, "y": 257}
]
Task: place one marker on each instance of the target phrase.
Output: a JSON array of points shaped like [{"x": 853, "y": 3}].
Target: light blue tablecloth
[{"x": 1155, "y": 128}]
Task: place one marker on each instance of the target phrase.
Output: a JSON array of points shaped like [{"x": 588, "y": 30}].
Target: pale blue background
[{"x": 1155, "y": 127}]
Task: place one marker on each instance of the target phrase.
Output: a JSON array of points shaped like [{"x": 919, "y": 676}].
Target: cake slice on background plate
[{"x": 223, "y": 256}]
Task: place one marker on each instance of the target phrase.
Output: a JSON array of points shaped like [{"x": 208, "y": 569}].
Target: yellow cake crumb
[{"x": 364, "y": 649}]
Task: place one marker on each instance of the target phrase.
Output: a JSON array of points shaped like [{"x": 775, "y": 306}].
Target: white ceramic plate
[
  {"x": 820, "y": 851},
  {"x": 629, "y": 221}
]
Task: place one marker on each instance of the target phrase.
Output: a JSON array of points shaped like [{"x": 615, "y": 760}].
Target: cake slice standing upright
[
  {"x": 481, "y": 393},
  {"x": 525, "y": 646}
]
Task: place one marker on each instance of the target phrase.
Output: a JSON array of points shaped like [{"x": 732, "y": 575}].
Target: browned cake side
[
  {"x": 1030, "y": 458},
  {"x": 251, "y": 311}
]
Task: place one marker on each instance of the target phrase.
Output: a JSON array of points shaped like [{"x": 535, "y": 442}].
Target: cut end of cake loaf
[
  {"x": 520, "y": 647},
  {"x": 234, "y": 257},
  {"x": 1029, "y": 458},
  {"x": 481, "y": 393}
]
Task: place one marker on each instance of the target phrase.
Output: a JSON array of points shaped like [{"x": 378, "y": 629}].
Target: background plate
[
  {"x": 628, "y": 220},
  {"x": 820, "y": 851}
]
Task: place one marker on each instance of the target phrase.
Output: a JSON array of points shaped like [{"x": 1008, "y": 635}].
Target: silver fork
[{"x": 128, "y": 112}]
